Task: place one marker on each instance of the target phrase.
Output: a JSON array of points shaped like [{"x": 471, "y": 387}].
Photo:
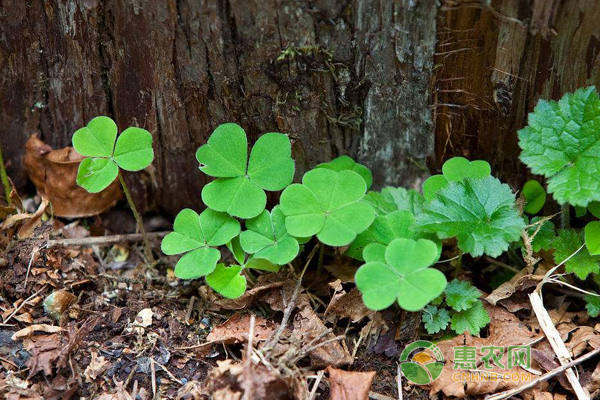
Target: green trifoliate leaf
[
  {"x": 267, "y": 238},
  {"x": 471, "y": 320},
  {"x": 461, "y": 295},
  {"x": 592, "y": 305},
  {"x": 227, "y": 281},
  {"x": 480, "y": 213},
  {"x": 194, "y": 235},
  {"x": 404, "y": 199},
  {"x": 562, "y": 142},
  {"x": 435, "y": 319},
  {"x": 97, "y": 139},
  {"x": 344, "y": 163},
  {"x": 240, "y": 185},
  {"x": 133, "y": 151},
  {"x": 535, "y": 196},
  {"x": 581, "y": 264},
  {"x": 403, "y": 277},
  {"x": 455, "y": 170},
  {"x": 239, "y": 255},
  {"x": 386, "y": 228},
  {"x": 592, "y": 237},
  {"x": 545, "y": 236},
  {"x": 95, "y": 174},
  {"x": 261, "y": 264},
  {"x": 327, "y": 204}
]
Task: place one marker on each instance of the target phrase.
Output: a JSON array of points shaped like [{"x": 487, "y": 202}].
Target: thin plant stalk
[
  {"x": 4, "y": 178},
  {"x": 138, "y": 219},
  {"x": 565, "y": 216}
]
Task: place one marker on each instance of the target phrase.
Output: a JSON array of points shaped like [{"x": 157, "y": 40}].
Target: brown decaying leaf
[
  {"x": 26, "y": 222},
  {"x": 346, "y": 304},
  {"x": 54, "y": 174},
  {"x": 349, "y": 385},
  {"x": 35, "y": 328},
  {"x": 236, "y": 328},
  {"x": 96, "y": 367}
]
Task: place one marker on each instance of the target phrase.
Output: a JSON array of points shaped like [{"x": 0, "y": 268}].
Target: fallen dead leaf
[
  {"x": 26, "y": 222},
  {"x": 349, "y": 385},
  {"x": 346, "y": 304},
  {"x": 236, "y": 329},
  {"x": 54, "y": 172},
  {"x": 35, "y": 328},
  {"x": 96, "y": 367}
]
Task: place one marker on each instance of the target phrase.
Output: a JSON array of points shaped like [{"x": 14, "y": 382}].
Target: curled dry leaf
[
  {"x": 96, "y": 367},
  {"x": 54, "y": 174},
  {"x": 346, "y": 304},
  {"x": 349, "y": 385},
  {"x": 26, "y": 222},
  {"x": 35, "y": 328},
  {"x": 236, "y": 329}
]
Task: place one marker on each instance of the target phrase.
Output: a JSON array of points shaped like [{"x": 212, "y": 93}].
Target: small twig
[
  {"x": 153, "y": 375},
  {"x": 33, "y": 253},
  {"x": 399, "y": 381},
  {"x": 196, "y": 346},
  {"x": 9, "y": 362},
  {"x": 313, "y": 391},
  {"x": 509, "y": 393},
  {"x": 23, "y": 304},
  {"x": 248, "y": 387},
  {"x": 104, "y": 240},
  {"x": 190, "y": 309},
  {"x": 501, "y": 264},
  {"x": 291, "y": 304},
  {"x": 173, "y": 378}
]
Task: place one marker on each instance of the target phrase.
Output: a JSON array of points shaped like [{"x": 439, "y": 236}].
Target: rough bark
[{"x": 358, "y": 77}]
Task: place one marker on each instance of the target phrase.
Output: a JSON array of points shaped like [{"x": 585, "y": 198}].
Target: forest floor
[{"x": 116, "y": 328}]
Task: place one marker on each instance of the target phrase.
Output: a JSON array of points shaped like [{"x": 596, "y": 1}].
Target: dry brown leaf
[
  {"x": 47, "y": 352},
  {"x": 35, "y": 328},
  {"x": 54, "y": 174},
  {"x": 347, "y": 304},
  {"x": 349, "y": 385},
  {"x": 522, "y": 281},
  {"x": 26, "y": 222},
  {"x": 236, "y": 329},
  {"x": 96, "y": 367}
]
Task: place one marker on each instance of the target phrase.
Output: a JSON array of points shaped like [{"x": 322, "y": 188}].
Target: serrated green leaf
[
  {"x": 535, "y": 196},
  {"x": 345, "y": 163},
  {"x": 480, "y": 213},
  {"x": 461, "y": 295},
  {"x": 96, "y": 174},
  {"x": 545, "y": 236},
  {"x": 327, "y": 204},
  {"x": 227, "y": 281},
  {"x": 592, "y": 237},
  {"x": 435, "y": 319},
  {"x": 97, "y": 139},
  {"x": 471, "y": 320},
  {"x": 404, "y": 277},
  {"x": 268, "y": 238},
  {"x": 581, "y": 264},
  {"x": 194, "y": 234},
  {"x": 133, "y": 151},
  {"x": 240, "y": 184},
  {"x": 455, "y": 169},
  {"x": 592, "y": 305},
  {"x": 562, "y": 142}
]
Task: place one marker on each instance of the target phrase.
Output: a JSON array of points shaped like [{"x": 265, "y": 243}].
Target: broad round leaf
[
  {"x": 187, "y": 234},
  {"x": 271, "y": 166},
  {"x": 592, "y": 237},
  {"x": 346, "y": 163},
  {"x": 239, "y": 197},
  {"x": 261, "y": 264},
  {"x": 218, "y": 228},
  {"x": 97, "y": 139},
  {"x": 328, "y": 204},
  {"x": 455, "y": 170},
  {"x": 403, "y": 277},
  {"x": 197, "y": 263},
  {"x": 227, "y": 281},
  {"x": 594, "y": 208},
  {"x": 267, "y": 238},
  {"x": 95, "y": 174},
  {"x": 535, "y": 196},
  {"x": 225, "y": 155},
  {"x": 133, "y": 151}
]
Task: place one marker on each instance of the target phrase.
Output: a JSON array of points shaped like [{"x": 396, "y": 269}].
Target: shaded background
[{"x": 400, "y": 85}]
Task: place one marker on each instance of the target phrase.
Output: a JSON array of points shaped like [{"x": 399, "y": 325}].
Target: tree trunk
[{"x": 400, "y": 85}]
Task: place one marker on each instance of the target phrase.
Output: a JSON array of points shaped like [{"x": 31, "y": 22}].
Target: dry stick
[
  {"x": 248, "y": 388},
  {"x": 313, "y": 391},
  {"x": 4, "y": 178},
  {"x": 138, "y": 219},
  {"x": 290, "y": 307},
  {"x": 561, "y": 351},
  {"x": 104, "y": 240},
  {"x": 23, "y": 304},
  {"x": 399, "y": 381},
  {"x": 545, "y": 377}
]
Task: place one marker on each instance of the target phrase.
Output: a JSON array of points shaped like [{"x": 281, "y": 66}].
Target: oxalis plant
[{"x": 106, "y": 155}]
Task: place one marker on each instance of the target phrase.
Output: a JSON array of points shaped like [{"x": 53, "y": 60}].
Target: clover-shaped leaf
[
  {"x": 267, "y": 238},
  {"x": 327, "y": 204},
  {"x": 132, "y": 152},
  {"x": 592, "y": 237},
  {"x": 345, "y": 163},
  {"x": 240, "y": 186},
  {"x": 395, "y": 198},
  {"x": 562, "y": 142},
  {"x": 581, "y": 264},
  {"x": 227, "y": 281},
  {"x": 480, "y": 213},
  {"x": 197, "y": 235},
  {"x": 403, "y": 277},
  {"x": 455, "y": 170},
  {"x": 235, "y": 247},
  {"x": 386, "y": 228}
]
